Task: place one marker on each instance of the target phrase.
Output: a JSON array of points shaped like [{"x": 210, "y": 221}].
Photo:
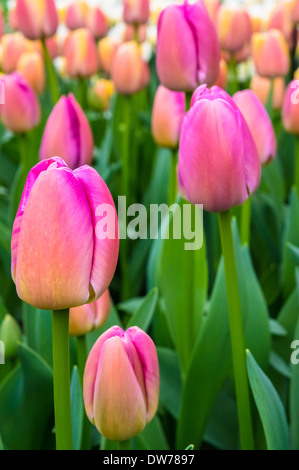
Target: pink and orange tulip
[
  {"x": 259, "y": 123},
  {"x": 58, "y": 259},
  {"x": 68, "y": 134},
  {"x": 97, "y": 22},
  {"x": 221, "y": 169},
  {"x": 21, "y": 111},
  {"x": 107, "y": 48},
  {"x": 37, "y": 19},
  {"x": 12, "y": 47},
  {"x": 262, "y": 86},
  {"x": 290, "y": 109},
  {"x": 270, "y": 53},
  {"x": 167, "y": 116},
  {"x": 81, "y": 54},
  {"x": 194, "y": 55},
  {"x": 121, "y": 383},
  {"x": 234, "y": 28},
  {"x": 89, "y": 317},
  {"x": 136, "y": 11},
  {"x": 75, "y": 15},
  {"x": 31, "y": 66}
]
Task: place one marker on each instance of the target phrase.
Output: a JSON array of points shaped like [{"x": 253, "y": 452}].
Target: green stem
[
  {"x": 296, "y": 164},
  {"x": 234, "y": 84},
  {"x": 82, "y": 92},
  {"x": 172, "y": 188},
  {"x": 81, "y": 359},
  {"x": 236, "y": 333},
  {"x": 51, "y": 74},
  {"x": 269, "y": 104},
  {"x": 245, "y": 221},
  {"x": 124, "y": 445},
  {"x": 188, "y": 97},
  {"x": 61, "y": 377}
]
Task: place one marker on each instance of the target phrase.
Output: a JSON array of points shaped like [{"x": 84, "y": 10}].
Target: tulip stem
[
  {"x": 245, "y": 221},
  {"x": 81, "y": 359},
  {"x": 236, "y": 333},
  {"x": 188, "y": 97},
  {"x": 82, "y": 92},
  {"x": 172, "y": 191},
  {"x": 269, "y": 106},
  {"x": 124, "y": 445},
  {"x": 51, "y": 74},
  {"x": 296, "y": 164},
  {"x": 61, "y": 378}
]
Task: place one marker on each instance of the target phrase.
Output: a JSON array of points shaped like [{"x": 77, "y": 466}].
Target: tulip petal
[
  {"x": 119, "y": 407},
  {"x": 52, "y": 272},
  {"x": 147, "y": 353},
  {"x": 85, "y": 133},
  {"x": 106, "y": 244}
]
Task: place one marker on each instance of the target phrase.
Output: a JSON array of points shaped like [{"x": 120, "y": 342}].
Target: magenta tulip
[
  {"x": 68, "y": 134},
  {"x": 121, "y": 383},
  {"x": 259, "y": 123},
  {"x": 89, "y": 317},
  {"x": 188, "y": 51},
  {"x": 59, "y": 256},
  {"x": 167, "y": 117},
  {"x": 219, "y": 165},
  {"x": 21, "y": 110},
  {"x": 37, "y": 19}
]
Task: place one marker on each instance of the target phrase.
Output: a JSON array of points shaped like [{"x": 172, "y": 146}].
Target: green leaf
[
  {"x": 279, "y": 365},
  {"x": 153, "y": 436},
  {"x": 269, "y": 405},
  {"x": 143, "y": 316},
  {"x": 294, "y": 387},
  {"x": 26, "y": 403},
  {"x": 294, "y": 251},
  {"x": 170, "y": 381},
  {"x": 291, "y": 237},
  {"x": 276, "y": 328},
  {"x": 76, "y": 408}
]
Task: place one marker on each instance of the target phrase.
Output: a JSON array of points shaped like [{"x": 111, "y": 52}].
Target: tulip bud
[
  {"x": 32, "y": 68},
  {"x": 37, "y": 19},
  {"x": 290, "y": 109},
  {"x": 12, "y": 47},
  {"x": 294, "y": 11},
  {"x": 234, "y": 27},
  {"x": 270, "y": 53},
  {"x": 121, "y": 383},
  {"x": 188, "y": 51},
  {"x": 89, "y": 317},
  {"x": 280, "y": 19},
  {"x": 136, "y": 11},
  {"x": 261, "y": 87},
  {"x": 68, "y": 134},
  {"x": 99, "y": 95},
  {"x": 259, "y": 123},
  {"x": 60, "y": 255},
  {"x": 76, "y": 13},
  {"x": 97, "y": 22},
  {"x": 217, "y": 168},
  {"x": 130, "y": 73},
  {"x": 107, "y": 48},
  {"x": 167, "y": 117},
  {"x": 21, "y": 111},
  {"x": 81, "y": 54},
  {"x": 10, "y": 334}
]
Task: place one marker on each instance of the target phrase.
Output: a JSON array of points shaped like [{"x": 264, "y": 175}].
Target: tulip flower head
[
  {"x": 188, "y": 51},
  {"x": 167, "y": 117},
  {"x": 234, "y": 28},
  {"x": 59, "y": 257},
  {"x": 261, "y": 87},
  {"x": 219, "y": 165},
  {"x": 76, "y": 13},
  {"x": 21, "y": 111},
  {"x": 37, "y": 19},
  {"x": 12, "y": 47},
  {"x": 68, "y": 133},
  {"x": 81, "y": 54},
  {"x": 31, "y": 66},
  {"x": 99, "y": 95},
  {"x": 259, "y": 123},
  {"x": 107, "y": 48},
  {"x": 121, "y": 383},
  {"x": 270, "y": 53},
  {"x": 97, "y": 22},
  {"x": 89, "y": 317},
  {"x": 136, "y": 11}
]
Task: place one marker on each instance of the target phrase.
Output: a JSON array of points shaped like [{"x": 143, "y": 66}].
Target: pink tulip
[
  {"x": 76, "y": 14},
  {"x": 89, "y": 317},
  {"x": 68, "y": 134},
  {"x": 37, "y": 19},
  {"x": 219, "y": 165},
  {"x": 121, "y": 383},
  {"x": 259, "y": 123},
  {"x": 81, "y": 54},
  {"x": 188, "y": 51},
  {"x": 290, "y": 109},
  {"x": 129, "y": 72},
  {"x": 97, "y": 22},
  {"x": 270, "y": 53},
  {"x": 21, "y": 111},
  {"x": 234, "y": 28},
  {"x": 107, "y": 48},
  {"x": 12, "y": 47},
  {"x": 167, "y": 116},
  {"x": 59, "y": 258},
  {"x": 136, "y": 11}
]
